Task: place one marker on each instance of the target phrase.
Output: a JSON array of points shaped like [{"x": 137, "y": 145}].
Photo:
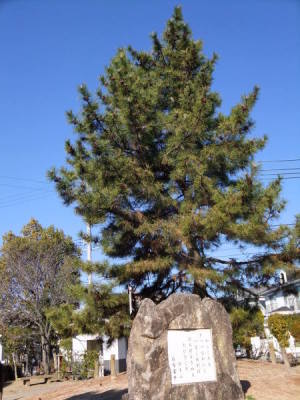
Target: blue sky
[{"x": 49, "y": 47}]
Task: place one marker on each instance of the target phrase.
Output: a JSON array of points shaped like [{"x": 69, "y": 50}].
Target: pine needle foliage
[
  {"x": 104, "y": 312},
  {"x": 169, "y": 177},
  {"x": 246, "y": 322},
  {"x": 99, "y": 310}
]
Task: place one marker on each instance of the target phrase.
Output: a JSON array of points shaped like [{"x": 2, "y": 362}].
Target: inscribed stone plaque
[{"x": 191, "y": 357}]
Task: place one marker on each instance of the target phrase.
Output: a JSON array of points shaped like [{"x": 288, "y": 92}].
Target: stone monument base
[{"x": 182, "y": 349}]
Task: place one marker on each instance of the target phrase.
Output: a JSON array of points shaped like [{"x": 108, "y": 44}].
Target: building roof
[{"x": 280, "y": 287}]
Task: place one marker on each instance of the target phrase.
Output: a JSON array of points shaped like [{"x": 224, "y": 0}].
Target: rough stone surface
[{"x": 149, "y": 375}]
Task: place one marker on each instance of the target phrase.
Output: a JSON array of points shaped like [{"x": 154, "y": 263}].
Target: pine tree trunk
[
  {"x": 285, "y": 356},
  {"x": 272, "y": 352},
  {"x": 96, "y": 369},
  {"x": 15, "y": 366},
  {"x": 26, "y": 365},
  {"x": 45, "y": 354},
  {"x": 200, "y": 290},
  {"x": 58, "y": 365},
  {"x": 55, "y": 356}
]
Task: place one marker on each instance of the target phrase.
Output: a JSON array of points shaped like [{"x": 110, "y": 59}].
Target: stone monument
[{"x": 181, "y": 349}]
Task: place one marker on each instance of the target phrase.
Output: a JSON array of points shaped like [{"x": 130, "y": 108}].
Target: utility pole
[
  {"x": 130, "y": 299},
  {"x": 89, "y": 251}
]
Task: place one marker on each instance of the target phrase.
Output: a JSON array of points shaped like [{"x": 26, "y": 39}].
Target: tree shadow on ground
[
  {"x": 7, "y": 383},
  {"x": 108, "y": 395},
  {"x": 245, "y": 386}
]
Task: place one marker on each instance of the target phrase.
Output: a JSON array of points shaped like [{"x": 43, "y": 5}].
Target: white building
[
  {"x": 280, "y": 299},
  {"x": 118, "y": 348}
]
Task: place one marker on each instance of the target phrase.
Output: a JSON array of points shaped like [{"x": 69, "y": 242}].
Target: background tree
[
  {"x": 278, "y": 325},
  {"x": 18, "y": 345},
  {"x": 168, "y": 177},
  {"x": 294, "y": 327},
  {"x": 37, "y": 270},
  {"x": 246, "y": 322}
]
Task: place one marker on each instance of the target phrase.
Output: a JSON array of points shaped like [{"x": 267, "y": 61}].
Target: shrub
[
  {"x": 81, "y": 369},
  {"x": 279, "y": 328},
  {"x": 293, "y": 322}
]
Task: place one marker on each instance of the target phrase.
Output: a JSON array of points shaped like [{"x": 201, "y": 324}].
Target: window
[
  {"x": 93, "y": 345},
  {"x": 282, "y": 277}
]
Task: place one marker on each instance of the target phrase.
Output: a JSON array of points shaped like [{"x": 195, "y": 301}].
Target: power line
[
  {"x": 18, "y": 202},
  {"x": 283, "y": 173},
  {"x": 23, "y": 179},
  {"x": 279, "y": 161},
  {"x": 31, "y": 193},
  {"x": 21, "y": 187},
  {"x": 282, "y": 178},
  {"x": 292, "y": 224},
  {"x": 279, "y": 169},
  {"x": 17, "y": 197}
]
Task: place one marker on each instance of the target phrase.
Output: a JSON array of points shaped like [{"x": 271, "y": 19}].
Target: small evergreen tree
[
  {"x": 168, "y": 177},
  {"x": 246, "y": 322},
  {"x": 102, "y": 312}
]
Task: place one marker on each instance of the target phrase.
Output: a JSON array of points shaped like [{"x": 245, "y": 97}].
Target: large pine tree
[{"x": 168, "y": 177}]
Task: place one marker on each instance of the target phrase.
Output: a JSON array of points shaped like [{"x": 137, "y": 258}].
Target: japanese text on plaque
[{"x": 191, "y": 357}]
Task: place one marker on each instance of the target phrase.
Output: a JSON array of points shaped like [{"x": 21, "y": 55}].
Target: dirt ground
[
  {"x": 266, "y": 381},
  {"x": 262, "y": 380},
  {"x": 93, "y": 389}
]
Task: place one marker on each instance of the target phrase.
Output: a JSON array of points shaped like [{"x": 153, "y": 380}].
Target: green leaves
[{"x": 279, "y": 328}]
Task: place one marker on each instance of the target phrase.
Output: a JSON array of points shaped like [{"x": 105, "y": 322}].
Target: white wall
[
  {"x": 110, "y": 350},
  {"x": 122, "y": 348},
  {"x": 79, "y": 344},
  {"x": 261, "y": 346},
  {"x": 275, "y": 302},
  {"x": 281, "y": 300},
  {"x": 118, "y": 348}
]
